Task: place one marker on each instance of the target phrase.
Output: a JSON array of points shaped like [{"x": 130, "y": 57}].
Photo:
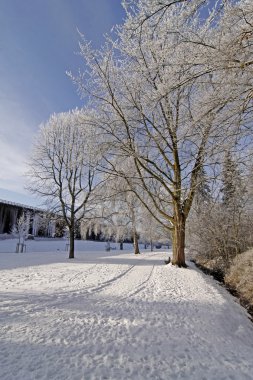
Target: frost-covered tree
[
  {"x": 151, "y": 231},
  {"x": 21, "y": 229},
  {"x": 63, "y": 167},
  {"x": 121, "y": 207},
  {"x": 148, "y": 114},
  {"x": 173, "y": 90},
  {"x": 232, "y": 186},
  {"x": 118, "y": 224}
]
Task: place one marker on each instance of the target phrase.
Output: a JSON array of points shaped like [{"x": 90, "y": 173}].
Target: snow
[
  {"x": 56, "y": 245},
  {"x": 114, "y": 315}
]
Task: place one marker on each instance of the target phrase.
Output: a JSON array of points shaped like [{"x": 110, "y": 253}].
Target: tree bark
[
  {"x": 136, "y": 245},
  {"x": 71, "y": 242},
  {"x": 178, "y": 240}
]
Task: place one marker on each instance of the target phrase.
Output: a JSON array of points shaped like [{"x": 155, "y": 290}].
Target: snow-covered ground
[
  {"x": 57, "y": 245},
  {"x": 113, "y": 315}
]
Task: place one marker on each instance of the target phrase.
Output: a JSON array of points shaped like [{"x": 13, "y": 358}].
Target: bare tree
[
  {"x": 172, "y": 97},
  {"x": 63, "y": 167}
]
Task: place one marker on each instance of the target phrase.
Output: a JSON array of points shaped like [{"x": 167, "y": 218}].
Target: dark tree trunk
[
  {"x": 136, "y": 244},
  {"x": 178, "y": 240},
  {"x": 121, "y": 245},
  {"x": 71, "y": 242},
  {"x": 151, "y": 245}
]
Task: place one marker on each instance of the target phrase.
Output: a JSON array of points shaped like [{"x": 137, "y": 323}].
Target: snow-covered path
[{"x": 117, "y": 316}]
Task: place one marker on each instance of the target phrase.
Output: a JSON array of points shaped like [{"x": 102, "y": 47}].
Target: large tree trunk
[
  {"x": 178, "y": 240},
  {"x": 136, "y": 244},
  {"x": 71, "y": 242}
]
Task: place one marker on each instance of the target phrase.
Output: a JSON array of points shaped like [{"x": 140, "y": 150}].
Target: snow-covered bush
[
  {"x": 240, "y": 276},
  {"x": 218, "y": 235},
  {"x": 221, "y": 222}
]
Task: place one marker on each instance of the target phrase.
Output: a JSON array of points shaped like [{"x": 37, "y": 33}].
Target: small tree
[
  {"x": 21, "y": 229},
  {"x": 63, "y": 167},
  {"x": 232, "y": 187}
]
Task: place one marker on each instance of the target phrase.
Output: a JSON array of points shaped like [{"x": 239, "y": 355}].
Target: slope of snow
[{"x": 117, "y": 316}]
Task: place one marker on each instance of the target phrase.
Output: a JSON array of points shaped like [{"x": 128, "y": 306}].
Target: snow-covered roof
[{"x": 21, "y": 205}]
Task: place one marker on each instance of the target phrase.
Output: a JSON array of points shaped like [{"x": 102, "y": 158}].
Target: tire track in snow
[
  {"x": 82, "y": 289},
  {"x": 131, "y": 284},
  {"x": 142, "y": 286},
  {"x": 109, "y": 282},
  {"x": 82, "y": 273}
]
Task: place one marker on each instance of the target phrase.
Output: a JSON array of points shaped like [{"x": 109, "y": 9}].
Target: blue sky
[{"x": 38, "y": 42}]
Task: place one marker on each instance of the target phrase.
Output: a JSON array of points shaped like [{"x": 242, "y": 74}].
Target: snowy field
[
  {"x": 113, "y": 315},
  {"x": 57, "y": 245}
]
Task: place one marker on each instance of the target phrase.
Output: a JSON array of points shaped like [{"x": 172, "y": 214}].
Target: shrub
[{"x": 240, "y": 277}]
